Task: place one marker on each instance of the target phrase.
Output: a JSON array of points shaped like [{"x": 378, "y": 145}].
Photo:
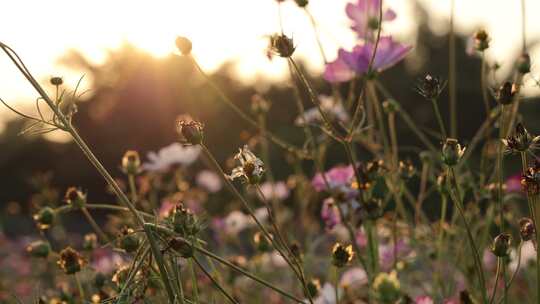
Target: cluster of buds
[
  {"x": 191, "y": 132},
  {"x": 342, "y": 255},
  {"x": 530, "y": 180},
  {"x": 38, "y": 249},
  {"x": 184, "y": 221},
  {"x": 261, "y": 242},
  {"x": 430, "y": 87},
  {"x": 505, "y": 94},
  {"x": 520, "y": 141},
  {"x": 44, "y": 218},
  {"x": 75, "y": 197},
  {"x": 131, "y": 163},
  {"x": 70, "y": 261},
  {"x": 250, "y": 168},
  {"x": 182, "y": 247},
  {"x": 281, "y": 46},
  {"x": 481, "y": 40},
  {"x": 523, "y": 64},
  {"x": 184, "y": 45},
  {"x": 127, "y": 240},
  {"x": 386, "y": 287},
  {"x": 501, "y": 245},
  {"x": 452, "y": 152},
  {"x": 526, "y": 229}
]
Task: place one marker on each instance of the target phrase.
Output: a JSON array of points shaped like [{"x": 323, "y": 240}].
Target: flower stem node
[
  {"x": 131, "y": 163},
  {"x": 523, "y": 64},
  {"x": 191, "y": 131},
  {"x": 127, "y": 240},
  {"x": 501, "y": 245},
  {"x": 75, "y": 197},
  {"x": 184, "y": 45},
  {"x": 70, "y": 261},
  {"x": 526, "y": 229},
  {"x": 44, "y": 218},
  {"x": 452, "y": 152},
  {"x": 39, "y": 249},
  {"x": 281, "y": 45},
  {"x": 342, "y": 255}
]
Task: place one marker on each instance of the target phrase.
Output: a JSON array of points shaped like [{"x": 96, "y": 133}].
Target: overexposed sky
[{"x": 42, "y": 31}]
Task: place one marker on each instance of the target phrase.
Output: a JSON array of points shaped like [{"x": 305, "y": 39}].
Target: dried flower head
[
  {"x": 70, "y": 261},
  {"x": 75, "y": 197},
  {"x": 38, "y": 249},
  {"x": 481, "y": 40},
  {"x": 521, "y": 141},
  {"x": 523, "y": 64},
  {"x": 505, "y": 94},
  {"x": 184, "y": 45},
  {"x": 57, "y": 81},
  {"x": 530, "y": 180},
  {"x": 281, "y": 45},
  {"x": 342, "y": 255},
  {"x": 192, "y": 131},
  {"x": 131, "y": 163},
  {"x": 44, "y": 218},
  {"x": 430, "y": 87},
  {"x": 501, "y": 245},
  {"x": 526, "y": 229},
  {"x": 452, "y": 152},
  {"x": 250, "y": 169}
]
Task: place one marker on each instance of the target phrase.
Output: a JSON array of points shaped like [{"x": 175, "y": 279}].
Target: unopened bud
[{"x": 184, "y": 45}]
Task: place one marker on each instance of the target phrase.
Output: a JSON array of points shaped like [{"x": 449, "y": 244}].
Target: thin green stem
[
  {"x": 439, "y": 118},
  {"x": 497, "y": 276},
  {"x": 336, "y": 284},
  {"x": 452, "y": 73},
  {"x": 194, "y": 284},
  {"x": 79, "y": 287},
  {"x": 94, "y": 225}
]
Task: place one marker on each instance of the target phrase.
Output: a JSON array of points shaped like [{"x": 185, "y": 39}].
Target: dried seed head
[
  {"x": 505, "y": 94},
  {"x": 520, "y": 141},
  {"x": 530, "y": 180},
  {"x": 44, "y": 218},
  {"x": 70, "y": 261},
  {"x": 501, "y": 245},
  {"x": 523, "y": 63},
  {"x": 184, "y": 45},
  {"x": 430, "y": 87},
  {"x": 191, "y": 131},
  {"x": 57, "y": 81},
  {"x": 526, "y": 229},
  {"x": 342, "y": 255},
  {"x": 75, "y": 197},
  {"x": 452, "y": 152},
  {"x": 281, "y": 45},
  {"x": 301, "y": 3},
  {"x": 39, "y": 249}
]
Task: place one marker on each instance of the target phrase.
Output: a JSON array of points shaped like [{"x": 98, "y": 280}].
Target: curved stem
[{"x": 439, "y": 118}]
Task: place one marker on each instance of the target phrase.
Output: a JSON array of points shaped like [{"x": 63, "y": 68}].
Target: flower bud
[
  {"x": 505, "y": 94},
  {"x": 182, "y": 247},
  {"x": 75, "y": 197},
  {"x": 406, "y": 169},
  {"x": 501, "y": 245},
  {"x": 390, "y": 106},
  {"x": 342, "y": 255},
  {"x": 70, "y": 261},
  {"x": 430, "y": 87},
  {"x": 39, "y": 249},
  {"x": 296, "y": 251},
  {"x": 131, "y": 163},
  {"x": 526, "y": 229},
  {"x": 387, "y": 288},
  {"x": 90, "y": 242},
  {"x": 127, "y": 240},
  {"x": 281, "y": 45},
  {"x": 262, "y": 243},
  {"x": 45, "y": 217},
  {"x": 481, "y": 40},
  {"x": 301, "y": 3},
  {"x": 452, "y": 152},
  {"x": 184, "y": 45},
  {"x": 523, "y": 63},
  {"x": 184, "y": 221},
  {"x": 313, "y": 287},
  {"x": 191, "y": 131},
  {"x": 57, "y": 81}
]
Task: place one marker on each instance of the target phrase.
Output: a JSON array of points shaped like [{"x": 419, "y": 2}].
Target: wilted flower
[
  {"x": 387, "y": 287},
  {"x": 281, "y": 45},
  {"x": 38, "y": 249},
  {"x": 526, "y": 229},
  {"x": 357, "y": 62},
  {"x": 365, "y": 17},
  {"x": 275, "y": 191},
  {"x": 131, "y": 163},
  {"x": 521, "y": 141},
  {"x": 329, "y": 106},
  {"x": 75, "y": 197},
  {"x": 191, "y": 131},
  {"x": 505, "y": 94},
  {"x": 430, "y": 87},
  {"x": 250, "y": 169},
  {"x": 501, "y": 245},
  {"x": 45, "y": 217},
  {"x": 523, "y": 64},
  {"x": 209, "y": 180},
  {"x": 70, "y": 261},
  {"x": 342, "y": 255},
  {"x": 452, "y": 152},
  {"x": 330, "y": 213},
  {"x": 184, "y": 45},
  {"x": 171, "y": 155}
]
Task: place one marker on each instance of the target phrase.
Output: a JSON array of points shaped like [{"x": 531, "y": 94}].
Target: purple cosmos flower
[
  {"x": 387, "y": 251},
  {"x": 389, "y": 52},
  {"x": 330, "y": 214},
  {"x": 365, "y": 17}
]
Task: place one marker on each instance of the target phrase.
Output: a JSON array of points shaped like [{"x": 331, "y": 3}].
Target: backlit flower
[
  {"x": 365, "y": 17},
  {"x": 250, "y": 168},
  {"x": 174, "y": 154}
]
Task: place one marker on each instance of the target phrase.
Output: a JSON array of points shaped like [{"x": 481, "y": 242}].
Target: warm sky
[{"x": 42, "y": 31}]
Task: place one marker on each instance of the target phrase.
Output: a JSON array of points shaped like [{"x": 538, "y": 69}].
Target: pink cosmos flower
[
  {"x": 339, "y": 176},
  {"x": 388, "y": 53},
  {"x": 353, "y": 277},
  {"x": 330, "y": 214},
  {"x": 278, "y": 190},
  {"x": 365, "y": 17}
]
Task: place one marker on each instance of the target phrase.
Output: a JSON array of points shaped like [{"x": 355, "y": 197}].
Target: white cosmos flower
[
  {"x": 209, "y": 181},
  {"x": 173, "y": 154}
]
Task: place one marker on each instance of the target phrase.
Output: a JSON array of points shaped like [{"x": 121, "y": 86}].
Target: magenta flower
[
  {"x": 348, "y": 64},
  {"x": 365, "y": 17},
  {"x": 330, "y": 214},
  {"x": 337, "y": 177},
  {"x": 513, "y": 183}
]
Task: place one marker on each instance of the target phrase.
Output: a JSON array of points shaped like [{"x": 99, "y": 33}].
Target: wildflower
[
  {"x": 313, "y": 287},
  {"x": 127, "y": 240},
  {"x": 333, "y": 109},
  {"x": 513, "y": 183},
  {"x": 526, "y": 229},
  {"x": 45, "y": 217},
  {"x": 481, "y": 40},
  {"x": 90, "y": 241},
  {"x": 70, "y": 261},
  {"x": 184, "y": 221},
  {"x": 281, "y": 45},
  {"x": 357, "y": 62},
  {"x": 131, "y": 163},
  {"x": 235, "y": 222},
  {"x": 301, "y": 3},
  {"x": 182, "y": 247},
  {"x": 505, "y": 94},
  {"x": 342, "y": 255},
  {"x": 389, "y": 251},
  {"x": 387, "y": 287},
  {"x": 105, "y": 260},
  {"x": 57, "y": 81},
  {"x": 191, "y": 131},
  {"x": 38, "y": 249},
  {"x": 430, "y": 87},
  {"x": 275, "y": 191},
  {"x": 262, "y": 243},
  {"x": 452, "y": 152},
  {"x": 172, "y": 155},
  {"x": 184, "y": 45},
  {"x": 330, "y": 213},
  {"x": 326, "y": 295},
  {"x": 365, "y": 17},
  {"x": 501, "y": 245},
  {"x": 251, "y": 168},
  {"x": 75, "y": 197},
  {"x": 520, "y": 141},
  {"x": 209, "y": 180},
  {"x": 523, "y": 64}
]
